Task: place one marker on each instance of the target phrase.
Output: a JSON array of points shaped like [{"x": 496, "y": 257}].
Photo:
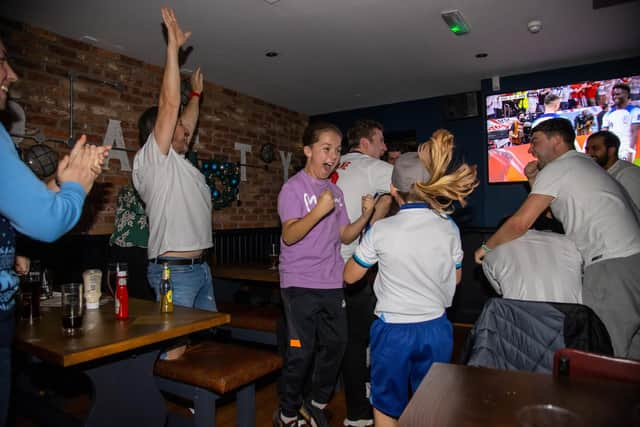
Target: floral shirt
[{"x": 131, "y": 227}]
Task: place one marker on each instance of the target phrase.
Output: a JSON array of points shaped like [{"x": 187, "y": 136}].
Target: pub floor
[{"x": 266, "y": 402}]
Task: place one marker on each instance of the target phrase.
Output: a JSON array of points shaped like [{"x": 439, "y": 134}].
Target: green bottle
[{"x": 166, "y": 291}]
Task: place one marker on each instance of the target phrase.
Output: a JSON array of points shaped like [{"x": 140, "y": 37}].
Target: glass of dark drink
[
  {"x": 72, "y": 307},
  {"x": 30, "y": 287}
]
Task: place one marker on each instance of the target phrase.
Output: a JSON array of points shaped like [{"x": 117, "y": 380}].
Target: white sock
[
  {"x": 286, "y": 420},
  {"x": 318, "y": 405}
]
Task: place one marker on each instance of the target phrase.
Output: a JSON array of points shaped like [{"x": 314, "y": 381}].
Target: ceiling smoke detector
[{"x": 534, "y": 26}]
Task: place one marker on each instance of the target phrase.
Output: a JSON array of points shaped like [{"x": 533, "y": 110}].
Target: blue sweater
[{"x": 29, "y": 207}]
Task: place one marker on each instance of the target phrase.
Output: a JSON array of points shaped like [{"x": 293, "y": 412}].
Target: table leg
[{"x": 125, "y": 393}]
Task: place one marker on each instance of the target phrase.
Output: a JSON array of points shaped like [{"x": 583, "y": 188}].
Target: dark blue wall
[{"x": 489, "y": 203}]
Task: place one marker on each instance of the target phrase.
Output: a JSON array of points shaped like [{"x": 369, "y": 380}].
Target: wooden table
[
  {"x": 117, "y": 355},
  {"x": 250, "y": 272},
  {"x": 458, "y": 395}
]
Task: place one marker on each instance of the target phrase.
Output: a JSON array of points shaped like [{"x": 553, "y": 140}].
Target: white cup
[{"x": 92, "y": 281}]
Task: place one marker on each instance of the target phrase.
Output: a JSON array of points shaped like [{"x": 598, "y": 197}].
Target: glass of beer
[{"x": 72, "y": 307}]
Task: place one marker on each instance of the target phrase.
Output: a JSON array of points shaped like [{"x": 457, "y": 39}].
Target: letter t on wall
[{"x": 244, "y": 149}]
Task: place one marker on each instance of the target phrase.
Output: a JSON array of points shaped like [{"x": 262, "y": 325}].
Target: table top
[
  {"x": 103, "y": 335},
  {"x": 459, "y": 395},
  {"x": 253, "y": 272}
]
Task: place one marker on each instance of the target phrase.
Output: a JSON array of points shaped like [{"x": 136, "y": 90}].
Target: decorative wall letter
[
  {"x": 285, "y": 158},
  {"x": 113, "y": 136},
  {"x": 244, "y": 149}
]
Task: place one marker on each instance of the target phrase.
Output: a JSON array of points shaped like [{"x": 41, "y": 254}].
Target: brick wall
[{"x": 42, "y": 61}]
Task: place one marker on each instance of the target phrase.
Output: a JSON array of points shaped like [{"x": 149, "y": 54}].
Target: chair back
[{"x": 576, "y": 363}]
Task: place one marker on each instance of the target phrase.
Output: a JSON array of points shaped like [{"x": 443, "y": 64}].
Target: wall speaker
[{"x": 461, "y": 106}]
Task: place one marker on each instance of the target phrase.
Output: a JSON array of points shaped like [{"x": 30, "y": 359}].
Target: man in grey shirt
[{"x": 603, "y": 146}]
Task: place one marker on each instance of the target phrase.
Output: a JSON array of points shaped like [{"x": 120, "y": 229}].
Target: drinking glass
[
  {"x": 72, "y": 307},
  {"x": 30, "y": 287},
  {"x": 274, "y": 257}
]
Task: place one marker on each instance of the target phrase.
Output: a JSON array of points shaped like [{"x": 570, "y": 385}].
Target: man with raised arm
[{"x": 178, "y": 201}]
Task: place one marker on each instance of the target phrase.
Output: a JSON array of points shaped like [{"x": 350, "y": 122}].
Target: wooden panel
[{"x": 103, "y": 335}]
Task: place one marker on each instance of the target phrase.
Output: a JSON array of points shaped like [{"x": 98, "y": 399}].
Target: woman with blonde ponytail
[{"x": 419, "y": 256}]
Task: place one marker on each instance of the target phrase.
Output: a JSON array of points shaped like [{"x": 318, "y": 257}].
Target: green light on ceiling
[{"x": 455, "y": 29}]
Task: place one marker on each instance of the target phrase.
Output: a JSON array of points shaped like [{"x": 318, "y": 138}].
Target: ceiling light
[
  {"x": 456, "y": 22},
  {"x": 534, "y": 26}
]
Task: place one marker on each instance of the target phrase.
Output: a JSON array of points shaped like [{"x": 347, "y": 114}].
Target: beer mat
[{"x": 55, "y": 300}]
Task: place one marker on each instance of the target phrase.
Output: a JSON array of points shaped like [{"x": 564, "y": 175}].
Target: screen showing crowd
[{"x": 591, "y": 106}]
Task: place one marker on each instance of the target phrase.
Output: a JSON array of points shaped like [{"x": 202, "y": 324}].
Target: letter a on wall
[{"x": 113, "y": 136}]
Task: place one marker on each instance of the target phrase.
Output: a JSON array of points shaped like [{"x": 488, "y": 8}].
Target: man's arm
[
  {"x": 189, "y": 116},
  {"x": 169, "y": 100},
  {"x": 518, "y": 224},
  {"x": 38, "y": 212}
]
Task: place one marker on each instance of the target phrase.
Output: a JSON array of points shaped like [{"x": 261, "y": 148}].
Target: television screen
[{"x": 588, "y": 105}]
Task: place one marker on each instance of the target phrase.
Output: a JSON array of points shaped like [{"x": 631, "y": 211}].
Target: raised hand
[
  {"x": 175, "y": 36},
  {"x": 197, "y": 84},
  {"x": 368, "y": 203},
  {"x": 325, "y": 203}
]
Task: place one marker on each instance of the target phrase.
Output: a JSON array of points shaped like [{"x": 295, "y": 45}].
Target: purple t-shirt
[{"x": 315, "y": 261}]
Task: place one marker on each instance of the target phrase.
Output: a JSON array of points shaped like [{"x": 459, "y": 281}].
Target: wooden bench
[
  {"x": 211, "y": 369},
  {"x": 255, "y": 323}
]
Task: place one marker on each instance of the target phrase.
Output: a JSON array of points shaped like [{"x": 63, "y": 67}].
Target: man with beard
[
  {"x": 597, "y": 216},
  {"x": 603, "y": 146},
  {"x": 623, "y": 120}
]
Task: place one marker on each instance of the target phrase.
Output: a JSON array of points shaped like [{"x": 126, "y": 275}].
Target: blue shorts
[{"x": 401, "y": 355}]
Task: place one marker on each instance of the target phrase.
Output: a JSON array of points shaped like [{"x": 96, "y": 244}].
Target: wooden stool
[{"x": 208, "y": 370}]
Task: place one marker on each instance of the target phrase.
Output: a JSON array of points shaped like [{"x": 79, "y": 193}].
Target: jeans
[
  {"x": 192, "y": 284},
  {"x": 7, "y": 330}
]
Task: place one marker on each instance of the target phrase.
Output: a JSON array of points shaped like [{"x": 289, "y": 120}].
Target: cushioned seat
[{"x": 210, "y": 369}]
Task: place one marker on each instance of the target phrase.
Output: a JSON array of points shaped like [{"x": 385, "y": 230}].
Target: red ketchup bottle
[{"x": 122, "y": 296}]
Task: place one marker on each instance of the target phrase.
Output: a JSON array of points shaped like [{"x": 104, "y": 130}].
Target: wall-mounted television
[{"x": 588, "y": 105}]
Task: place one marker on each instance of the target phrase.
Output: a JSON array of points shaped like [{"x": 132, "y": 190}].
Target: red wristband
[{"x": 194, "y": 93}]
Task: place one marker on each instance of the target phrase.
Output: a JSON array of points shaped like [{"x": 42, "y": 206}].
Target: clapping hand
[{"x": 83, "y": 164}]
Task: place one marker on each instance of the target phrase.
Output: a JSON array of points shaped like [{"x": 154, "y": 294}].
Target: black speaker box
[{"x": 461, "y": 106}]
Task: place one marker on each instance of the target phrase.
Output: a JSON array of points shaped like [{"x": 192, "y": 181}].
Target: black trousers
[
  {"x": 361, "y": 302},
  {"x": 316, "y": 325}
]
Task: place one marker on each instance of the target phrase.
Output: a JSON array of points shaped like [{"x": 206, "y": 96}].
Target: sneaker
[
  {"x": 313, "y": 415},
  {"x": 358, "y": 423},
  {"x": 277, "y": 421}
]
